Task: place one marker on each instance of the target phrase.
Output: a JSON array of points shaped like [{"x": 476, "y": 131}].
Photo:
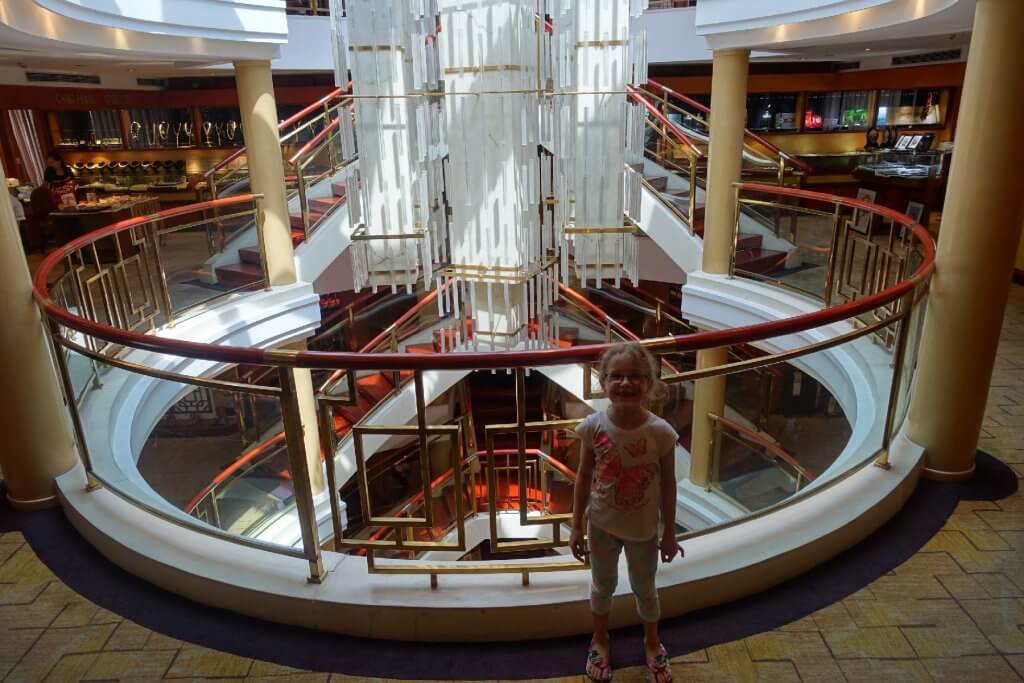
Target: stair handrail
[
  {"x": 636, "y": 95},
  {"x": 385, "y": 335},
  {"x": 323, "y": 102},
  {"x": 261, "y": 449},
  {"x": 802, "y": 165},
  {"x": 764, "y": 442}
]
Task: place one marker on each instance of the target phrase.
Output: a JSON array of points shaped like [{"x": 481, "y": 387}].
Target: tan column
[
  {"x": 725, "y": 163},
  {"x": 266, "y": 168},
  {"x": 981, "y": 225},
  {"x": 725, "y": 155},
  {"x": 37, "y": 443}
]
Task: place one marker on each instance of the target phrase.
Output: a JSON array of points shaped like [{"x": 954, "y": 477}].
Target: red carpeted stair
[{"x": 248, "y": 270}]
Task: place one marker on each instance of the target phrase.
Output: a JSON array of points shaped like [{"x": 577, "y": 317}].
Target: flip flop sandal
[
  {"x": 598, "y": 669},
  {"x": 659, "y": 670}
]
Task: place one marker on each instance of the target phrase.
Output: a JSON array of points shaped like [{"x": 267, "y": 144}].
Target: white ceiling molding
[{"x": 796, "y": 24}]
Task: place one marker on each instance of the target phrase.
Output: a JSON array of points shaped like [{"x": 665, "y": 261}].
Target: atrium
[{"x": 307, "y": 299}]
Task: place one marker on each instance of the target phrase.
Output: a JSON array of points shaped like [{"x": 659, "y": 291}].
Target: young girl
[{"x": 626, "y": 486}]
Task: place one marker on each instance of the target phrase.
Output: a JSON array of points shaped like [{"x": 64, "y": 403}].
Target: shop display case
[
  {"x": 130, "y": 176},
  {"x": 161, "y": 128},
  {"x": 221, "y": 127},
  {"x": 88, "y": 130}
]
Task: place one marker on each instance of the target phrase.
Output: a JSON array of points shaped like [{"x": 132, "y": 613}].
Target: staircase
[
  {"x": 249, "y": 270},
  {"x": 751, "y": 255}
]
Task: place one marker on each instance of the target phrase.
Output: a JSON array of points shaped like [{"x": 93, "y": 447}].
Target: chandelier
[{"x": 494, "y": 138}]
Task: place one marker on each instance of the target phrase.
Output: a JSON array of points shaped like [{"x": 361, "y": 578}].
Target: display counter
[{"x": 86, "y": 217}]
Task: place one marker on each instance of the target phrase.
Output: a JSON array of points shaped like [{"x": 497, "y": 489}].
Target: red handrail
[
  {"x": 676, "y": 130},
  {"x": 472, "y": 360},
  {"x": 595, "y": 310},
  {"x": 251, "y": 454},
  {"x": 317, "y": 139},
  {"x": 768, "y": 444},
  {"x": 302, "y": 113},
  {"x": 804, "y": 166}
]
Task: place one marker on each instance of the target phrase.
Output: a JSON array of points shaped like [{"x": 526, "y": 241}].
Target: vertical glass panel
[
  {"x": 915, "y": 325},
  {"x": 783, "y": 428},
  {"x": 202, "y": 457},
  {"x": 187, "y": 245}
]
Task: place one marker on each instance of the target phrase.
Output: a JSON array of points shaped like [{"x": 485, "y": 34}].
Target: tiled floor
[{"x": 953, "y": 612}]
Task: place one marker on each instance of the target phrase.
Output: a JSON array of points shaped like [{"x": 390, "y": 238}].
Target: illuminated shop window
[
  {"x": 849, "y": 110},
  {"x": 911, "y": 107},
  {"x": 771, "y": 112}
]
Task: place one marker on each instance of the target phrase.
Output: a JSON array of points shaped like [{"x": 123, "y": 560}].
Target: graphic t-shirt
[{"x": 625, "y": 490}]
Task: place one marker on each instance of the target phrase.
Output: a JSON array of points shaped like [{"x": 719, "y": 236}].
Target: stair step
[
  {"x": 374, "y": 387},
  {"x": 339, "y": 189},
  {"x": 658, "y": 182},
  {"x": 326, "y": 205},
  {"x": 419, "y": 348},
  {"x": 250, "y": 255},
  {"x": 747, "y": 241},
  {"x": 760, "y": 261},
  {"x": 239, "y": 274},
  {"x": 296, "y": 219}
]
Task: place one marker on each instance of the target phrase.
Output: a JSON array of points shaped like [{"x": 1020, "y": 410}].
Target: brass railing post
[
  {"x": 153, "y": 234},
  {"x": 262, "y": 241},
  {"x": 830, "y": 268},
  {"x": 735, "y": 232},
  {"x": 303, "y": 204},
  {"x": 329, "y": 445},
  {"x": 716, "y": 452},
  {"x": 421, "y": 434},
  {"x": 396, "y": 375},
  {"x": 71, "y": 403},
  {"x": 299, "y": 469},
  {"x": 899, "y": 359},
  {"x": 692, "y": 199}
]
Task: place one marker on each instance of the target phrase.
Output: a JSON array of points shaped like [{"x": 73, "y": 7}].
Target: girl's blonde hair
[{"x": 645, "y": 358}]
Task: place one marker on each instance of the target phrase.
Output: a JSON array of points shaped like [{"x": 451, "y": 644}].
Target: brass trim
[
  {"x": 221, "y": 385},
  {"x": 488, "y": 68},
  {"x": 740, "y": 366},
  {"x": 278, "y": 355},
  {"x": 376, "y": 48},
  {"x": 601, "y": 43}
]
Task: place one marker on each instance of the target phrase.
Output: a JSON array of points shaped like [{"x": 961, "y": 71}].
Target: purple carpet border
[{"x": 91, "y": 575}]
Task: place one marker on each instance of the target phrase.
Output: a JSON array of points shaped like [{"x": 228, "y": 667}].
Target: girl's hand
[
  {"x": 669, "y": 547},
  {"x": 578, "y": 544}
]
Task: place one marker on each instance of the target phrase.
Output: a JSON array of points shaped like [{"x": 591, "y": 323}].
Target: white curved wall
[
  {"x": 783, "y": 24},
  {"x": 178, "y": 30},
  {"x": 249, "y": 20}
]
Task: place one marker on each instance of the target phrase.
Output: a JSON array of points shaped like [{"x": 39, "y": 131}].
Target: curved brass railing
[{"x": 886, "y": 308}]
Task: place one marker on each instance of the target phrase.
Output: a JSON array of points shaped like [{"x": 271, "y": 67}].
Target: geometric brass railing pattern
[{"x": 89, "y": 302}]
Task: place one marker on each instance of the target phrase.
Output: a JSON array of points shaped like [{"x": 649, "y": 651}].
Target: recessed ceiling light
[{"x": 867, "y": 49}]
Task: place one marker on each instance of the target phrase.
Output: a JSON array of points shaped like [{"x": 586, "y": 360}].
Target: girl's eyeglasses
[{"x": 617, "y": 378}]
